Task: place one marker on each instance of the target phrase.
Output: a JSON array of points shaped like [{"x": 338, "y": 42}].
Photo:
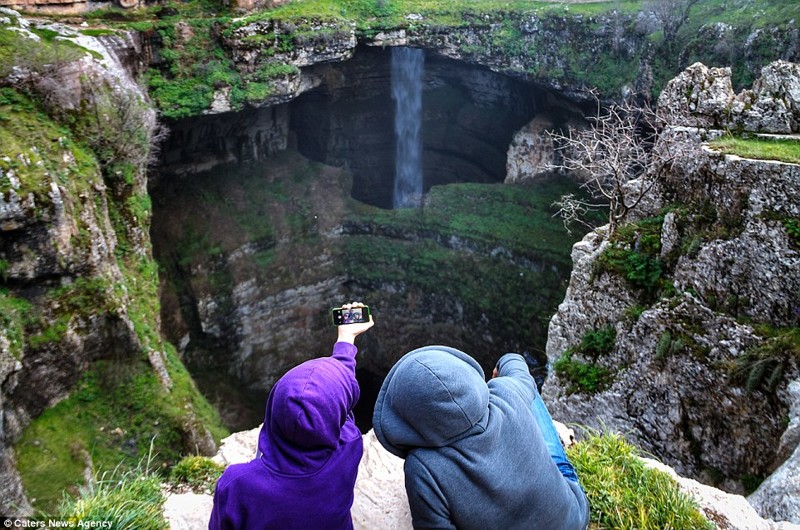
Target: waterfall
[{"x": 407, "y": 65}]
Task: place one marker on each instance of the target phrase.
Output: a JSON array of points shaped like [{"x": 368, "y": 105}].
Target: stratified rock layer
[{"x": 677, "y": 363}]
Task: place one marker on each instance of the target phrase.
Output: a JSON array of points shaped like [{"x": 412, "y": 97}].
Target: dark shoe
[{"x": 538, "y": 367}]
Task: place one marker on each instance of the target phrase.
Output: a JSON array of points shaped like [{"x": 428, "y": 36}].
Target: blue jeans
[{"x": 552, "y": 439}]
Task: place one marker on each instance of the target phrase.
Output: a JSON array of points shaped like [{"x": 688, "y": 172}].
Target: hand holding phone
[
  {"x": 351, "y": 320},
  {"x": 354, "y": 314}
]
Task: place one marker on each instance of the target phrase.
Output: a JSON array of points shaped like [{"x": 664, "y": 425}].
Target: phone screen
[{"x": 354, "y": 315}]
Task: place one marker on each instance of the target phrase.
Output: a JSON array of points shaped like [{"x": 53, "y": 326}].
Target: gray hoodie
[{"x": 474, "y": 454}]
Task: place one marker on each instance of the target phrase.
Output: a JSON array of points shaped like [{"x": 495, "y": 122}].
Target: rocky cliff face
[
  {"x": 75, "y": 256},
  {"x": 705, "y": 365},
  {"x": 345, "y": 120}
]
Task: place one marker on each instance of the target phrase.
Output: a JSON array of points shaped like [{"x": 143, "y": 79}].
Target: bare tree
[{"x": 616, "y": 158}]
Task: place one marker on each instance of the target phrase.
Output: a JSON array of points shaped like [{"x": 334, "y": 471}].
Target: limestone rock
[
  {"x": 726, "y": 511},
  {"x": 773, "y": 105},
  {"x": 531, "y": 153},
  {"x": 380, "y": 493},
  {"x": 703, "y": 97},
  {"x": 698, "y": 97},
  {"x": 237, "y": 448},
  {"x": 791, "y": 437},
  {"x": 778, "y": 497},
  {"x": 756, "y": 267},
  {"x": 188, "y": 511},
  {"x": 590, "y": 303}
]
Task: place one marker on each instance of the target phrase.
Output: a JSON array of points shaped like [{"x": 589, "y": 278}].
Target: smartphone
[{"x": 354, "y": 315}]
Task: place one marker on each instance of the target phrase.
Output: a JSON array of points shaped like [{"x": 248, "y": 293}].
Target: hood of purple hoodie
[{"x": 305, "y": 416}]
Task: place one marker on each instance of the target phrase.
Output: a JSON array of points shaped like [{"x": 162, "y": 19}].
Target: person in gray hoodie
[{"x": 477, "y": 455}]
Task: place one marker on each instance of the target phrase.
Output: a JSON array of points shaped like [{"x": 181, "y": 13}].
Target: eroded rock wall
[
  {"x": 68, "y": 226},
  {"x": 677, "y": 364}
]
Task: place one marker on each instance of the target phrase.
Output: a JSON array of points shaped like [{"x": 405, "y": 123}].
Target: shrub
[
  {"x": 763, "y": 367},
  {"x": 635, "y": 255},
  {"x": 583, "y": 376},
  {"x": 197, "y": 472},
  {"x": 626, "y": 494},
  {"x": 793, "y": 229},
  {"x": 598, "y": 342}
]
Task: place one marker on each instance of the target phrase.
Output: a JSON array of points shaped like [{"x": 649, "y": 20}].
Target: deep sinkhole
[{"x": 257, "y": 235}]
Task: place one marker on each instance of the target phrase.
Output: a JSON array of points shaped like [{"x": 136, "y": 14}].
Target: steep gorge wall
[
  {"x": 708, "y": 365},
  {"x": 346, "y": 120},
  {"x": 78, "y": 285}
]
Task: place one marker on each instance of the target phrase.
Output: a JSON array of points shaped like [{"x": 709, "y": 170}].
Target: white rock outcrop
[
  {"x": 381, "y": 501},
  {"x": 704, "y": 97},
  {"x": 778, "y": 497}
]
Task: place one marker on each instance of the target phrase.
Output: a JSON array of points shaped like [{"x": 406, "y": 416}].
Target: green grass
[
  {"x": 129, "y": 499},
  {"x": 517, "y": 217},
  {"x": 197, "y": 472},
  {"x": 15, "y": 313},
  {"x": 759, "y": 148},
  {"x": 624, "y": 494}
]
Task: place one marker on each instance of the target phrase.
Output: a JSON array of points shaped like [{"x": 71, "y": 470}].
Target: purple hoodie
[{"x": 308, "y": 453}]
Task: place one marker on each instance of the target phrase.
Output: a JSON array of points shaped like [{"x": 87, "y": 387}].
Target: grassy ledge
[
  {"x": 624, "y": 494},
  {"x": 778, "y": 149}
]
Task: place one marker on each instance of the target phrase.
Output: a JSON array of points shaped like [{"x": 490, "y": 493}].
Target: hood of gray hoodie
[{"x": 432, "y": 397}]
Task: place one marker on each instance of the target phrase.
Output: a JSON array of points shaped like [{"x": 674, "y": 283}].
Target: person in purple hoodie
[{"x": 308, "y": 450}]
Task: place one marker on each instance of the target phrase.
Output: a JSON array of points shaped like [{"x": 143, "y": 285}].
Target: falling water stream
[{"x": 407, "y": 68}]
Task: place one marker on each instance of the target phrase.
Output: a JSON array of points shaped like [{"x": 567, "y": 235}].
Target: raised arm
[
  {"x": 513, "y": 366},
  {"x": 345, "y": 350}
]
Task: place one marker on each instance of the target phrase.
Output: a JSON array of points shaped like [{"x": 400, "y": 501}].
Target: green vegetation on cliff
[
  {"x": 60, "y": 170},
  {"x": 587, "y": 375},
  {"x": 612, "y": 46},
  {"x": 496, "y": 249}
]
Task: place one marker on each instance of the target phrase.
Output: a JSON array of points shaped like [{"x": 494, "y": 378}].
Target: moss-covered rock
[{"x": 88, "y": 382}]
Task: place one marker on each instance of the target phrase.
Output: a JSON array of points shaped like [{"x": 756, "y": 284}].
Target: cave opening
[
  {"x": 469, "y": 115},
  {"x": 257, "y": 233}
]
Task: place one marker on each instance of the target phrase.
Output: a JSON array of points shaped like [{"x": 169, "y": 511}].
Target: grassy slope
[{"x": 781, "y": 150}]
